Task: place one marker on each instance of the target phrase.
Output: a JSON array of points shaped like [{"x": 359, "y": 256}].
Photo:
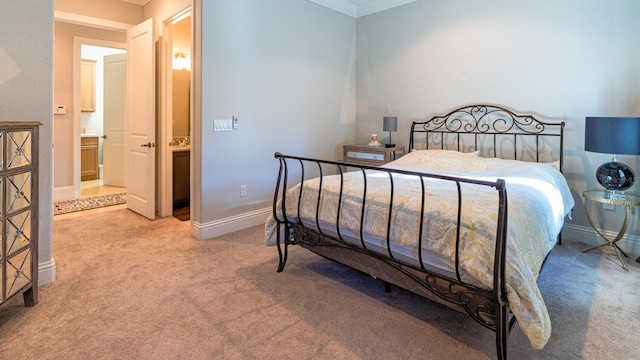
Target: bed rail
[{"x": 488, "y": 307}]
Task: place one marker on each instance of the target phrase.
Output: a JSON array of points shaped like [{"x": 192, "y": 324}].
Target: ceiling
[
  {"x": 138, "y": 2},
  {"x": 360, "y": 2},
  {"x": 354, "y": 2},
  {"x": 358, "y": 8},
  {"x": 354, "y": 8}
]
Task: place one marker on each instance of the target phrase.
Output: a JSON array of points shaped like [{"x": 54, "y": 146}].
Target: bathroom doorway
[
  {"x": 69, "y": 174},
  {"x": 178, "y": 113},
  {"x": 102, "y": 123}
]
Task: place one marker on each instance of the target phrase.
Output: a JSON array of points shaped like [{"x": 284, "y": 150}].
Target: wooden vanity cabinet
[
  {"x": 88, "y": 85},
  {"x": 181, "y": 176},
  {"x": 89, "y": 158}
]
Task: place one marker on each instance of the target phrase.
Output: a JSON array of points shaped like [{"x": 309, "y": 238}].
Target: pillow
[
  {"x": 438, "y": 152},
  {"x": 555, "y": 164}
]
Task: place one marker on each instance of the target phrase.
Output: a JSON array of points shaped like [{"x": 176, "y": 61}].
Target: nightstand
[
  {"x": 602, "y": 196},
  {"x": 371, "y": 155}
]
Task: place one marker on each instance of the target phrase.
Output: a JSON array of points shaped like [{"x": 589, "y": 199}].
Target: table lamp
[
  {"x": 390, "y": 123},
  {"x": 613, "y": 135}
]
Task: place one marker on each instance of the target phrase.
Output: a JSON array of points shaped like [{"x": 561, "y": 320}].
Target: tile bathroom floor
[{"x": 94, "y": 188}]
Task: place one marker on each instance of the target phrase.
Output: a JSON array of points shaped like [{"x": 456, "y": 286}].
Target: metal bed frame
[{"x": 464, "y": 129}]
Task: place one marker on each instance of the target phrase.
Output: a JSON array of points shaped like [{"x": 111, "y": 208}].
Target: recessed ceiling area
[{"x": 354, "y": 8}]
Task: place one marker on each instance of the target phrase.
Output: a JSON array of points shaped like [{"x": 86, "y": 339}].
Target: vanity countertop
[
  {"x": 181, "y": 148},
  {"x": 89, "y": 135}
]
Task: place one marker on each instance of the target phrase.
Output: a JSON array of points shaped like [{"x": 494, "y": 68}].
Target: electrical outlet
[{"x": 243, "y": 190}]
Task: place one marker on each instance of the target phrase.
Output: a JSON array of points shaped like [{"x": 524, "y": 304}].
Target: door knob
[
  {"x": 149, "y": 145},
  {"x": 104, "y": 136}
]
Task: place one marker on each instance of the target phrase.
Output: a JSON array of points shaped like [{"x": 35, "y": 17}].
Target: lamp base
[
  {"x": 615, "y": 176},
  {"x": 389, "y": 145},
  {"x": 615, "y": 195}
]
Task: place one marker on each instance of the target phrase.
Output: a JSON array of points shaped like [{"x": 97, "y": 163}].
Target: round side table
[{"x": 603, "y": 196}]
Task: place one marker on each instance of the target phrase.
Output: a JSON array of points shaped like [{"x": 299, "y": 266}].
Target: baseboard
[
  {"x": 46, "y": 272},
  {"x": 63, "y": 193},
  {"x": 230, "y": 224},
  {"x": 630, "y": 244}
]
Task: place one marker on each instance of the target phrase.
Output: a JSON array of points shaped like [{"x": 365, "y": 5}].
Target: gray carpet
[{"x": 129, "y": 288}]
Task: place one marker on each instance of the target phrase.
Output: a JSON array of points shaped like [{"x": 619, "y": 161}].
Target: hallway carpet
[{"x": 130, "y": 288}]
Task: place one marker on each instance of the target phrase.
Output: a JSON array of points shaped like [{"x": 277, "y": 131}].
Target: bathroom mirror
[
  {"x": 181, "y": 79},
  {"x": 181, "y": 97}
]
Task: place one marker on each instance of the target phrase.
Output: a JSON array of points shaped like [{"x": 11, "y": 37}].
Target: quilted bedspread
[{"x": 538, "y": 201}]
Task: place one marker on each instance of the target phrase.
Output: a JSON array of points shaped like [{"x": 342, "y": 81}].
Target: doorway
[
  {"x": 140, "y": 51},
  {"x": 177, "y": 102},
  {"x": 176, "y": 12},
  {"x": 103, "y": 92}
]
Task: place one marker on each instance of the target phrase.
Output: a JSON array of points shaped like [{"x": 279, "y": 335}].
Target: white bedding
[{"x": 538, "y": 200}]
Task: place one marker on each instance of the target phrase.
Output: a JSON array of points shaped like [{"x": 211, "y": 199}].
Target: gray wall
[
  {"x": 26, "y": 86},
  {"x": 561, "y": 60},
  {"x": 287, "y": 70}
]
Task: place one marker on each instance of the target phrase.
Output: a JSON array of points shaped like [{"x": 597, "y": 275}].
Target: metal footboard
[{"x": 487, "y": 307}]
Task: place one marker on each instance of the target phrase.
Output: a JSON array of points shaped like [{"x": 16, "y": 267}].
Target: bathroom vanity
[
  {"x": 89, "y": 157},
  {"x": 181, "y": 182}
]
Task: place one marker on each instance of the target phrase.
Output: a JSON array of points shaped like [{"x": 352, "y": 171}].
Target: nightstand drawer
[
  {"x": 371, "y": 155},
  {"x": 364, "y": 155}
]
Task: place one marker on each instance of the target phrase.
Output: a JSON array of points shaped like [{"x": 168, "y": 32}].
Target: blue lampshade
[{"x": 613, "y": 135}]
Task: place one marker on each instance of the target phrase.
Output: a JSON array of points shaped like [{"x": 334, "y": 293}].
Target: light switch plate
[{"x": 222, "y": 125}]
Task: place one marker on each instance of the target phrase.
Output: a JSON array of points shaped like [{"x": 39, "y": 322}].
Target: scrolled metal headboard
[{"x": 493, "y": 131}]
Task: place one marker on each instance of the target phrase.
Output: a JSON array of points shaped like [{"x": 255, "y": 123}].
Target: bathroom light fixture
[{"x": 181, "y": 61}]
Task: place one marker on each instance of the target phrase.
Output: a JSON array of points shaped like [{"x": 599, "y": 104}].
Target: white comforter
[{"x": 538, "y": 200}]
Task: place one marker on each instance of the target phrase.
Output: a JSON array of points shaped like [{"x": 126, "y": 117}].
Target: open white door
[
  {"x": 140, "y": 118},
  {"x": 114, "y": 144}
]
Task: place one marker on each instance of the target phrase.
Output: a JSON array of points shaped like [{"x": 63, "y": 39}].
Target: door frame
[
  {"x": 77, "y": 99},
  {"x": 180, "y": 6},
  {"x": 165, "y": 161}
]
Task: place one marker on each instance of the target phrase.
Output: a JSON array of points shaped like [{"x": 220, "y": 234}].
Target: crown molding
[
  {"x": 77, "y": 19},
  {"x": 380, "y": 5},
  {"x": 342, "y": 6}
]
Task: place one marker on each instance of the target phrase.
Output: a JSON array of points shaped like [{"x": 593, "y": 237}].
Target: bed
[{"x": 466, "y": 218}]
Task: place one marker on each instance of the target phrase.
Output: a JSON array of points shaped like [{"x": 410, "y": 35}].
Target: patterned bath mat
[{"x": 64, "y": 207}]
